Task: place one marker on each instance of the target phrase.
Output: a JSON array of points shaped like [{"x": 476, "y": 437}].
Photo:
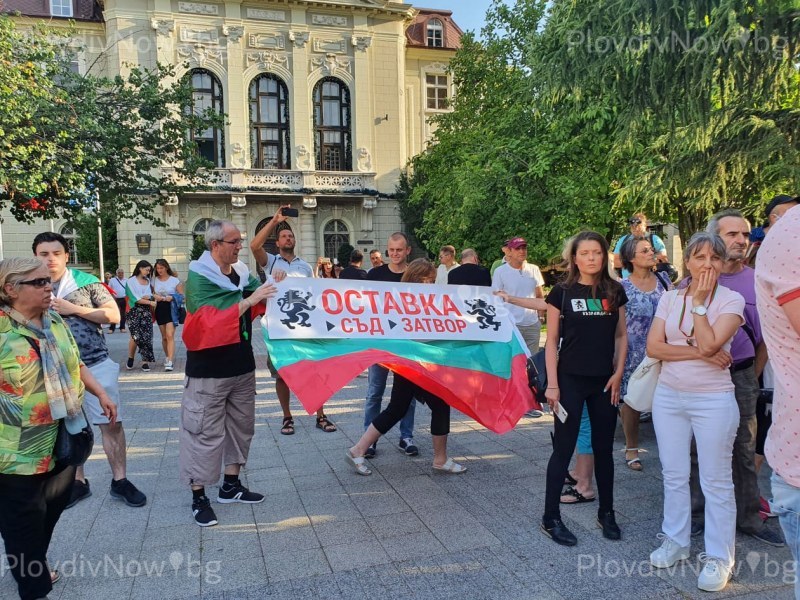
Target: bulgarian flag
[
  {"x": 73, "y": 280},
  {"x": 212, "y": 304},
  {"x": 487, "y": 381}
]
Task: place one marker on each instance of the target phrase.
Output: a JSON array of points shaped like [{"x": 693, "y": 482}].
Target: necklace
[{"x": 690, "y": 336}]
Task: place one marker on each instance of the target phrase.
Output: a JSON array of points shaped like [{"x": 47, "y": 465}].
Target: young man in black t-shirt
[{"x": 398, "y": 250}]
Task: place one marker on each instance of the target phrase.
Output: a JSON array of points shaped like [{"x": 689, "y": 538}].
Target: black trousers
[
  {"x": 575, "y": 391},
  {"x": 30, "y": 506},
  {"x": 403, "y": 392},
  {"x": 122, "y": 303}
]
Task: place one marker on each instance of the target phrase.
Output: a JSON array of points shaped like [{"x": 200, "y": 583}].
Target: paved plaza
[{"x": 403, "y": 533}]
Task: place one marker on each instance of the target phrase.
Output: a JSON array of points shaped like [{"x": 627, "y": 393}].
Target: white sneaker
[
  {"x": 168, "y": 365},
  {"x": 715, "y": 575},
  {"x": 668, "y": 554}
]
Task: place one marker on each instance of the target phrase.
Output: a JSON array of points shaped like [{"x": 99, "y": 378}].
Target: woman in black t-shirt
[{"x": 585, "y": 362}]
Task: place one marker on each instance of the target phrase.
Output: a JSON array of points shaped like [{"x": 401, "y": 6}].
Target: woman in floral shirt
[{"x": 41, "y": 381}]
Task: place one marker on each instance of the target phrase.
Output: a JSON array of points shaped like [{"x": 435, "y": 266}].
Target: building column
[
  {"x": 308, "y": 230},
  {"x": 239, "y": 218}
]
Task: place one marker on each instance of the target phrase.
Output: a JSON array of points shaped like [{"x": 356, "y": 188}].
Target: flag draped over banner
[
  {"x": 484, "y": 380},
  {"x": 212, "y": 304}
]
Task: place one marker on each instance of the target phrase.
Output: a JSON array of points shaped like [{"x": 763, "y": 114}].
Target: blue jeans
[
  {"x": 376, "y": 385},
  {"x": 785, "y": 503}
]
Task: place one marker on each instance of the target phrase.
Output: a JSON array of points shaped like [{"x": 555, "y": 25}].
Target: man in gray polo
[{"x": 293, "y": 266}]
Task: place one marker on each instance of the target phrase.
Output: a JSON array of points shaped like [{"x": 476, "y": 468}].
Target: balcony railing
[{"x": 274, "y": 180}]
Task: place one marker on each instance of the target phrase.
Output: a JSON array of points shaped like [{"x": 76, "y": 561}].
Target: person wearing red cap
[{"x": 517, "y": 277}]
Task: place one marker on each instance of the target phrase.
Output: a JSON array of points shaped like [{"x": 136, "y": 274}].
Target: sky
[{"x": 469, "y": 14}]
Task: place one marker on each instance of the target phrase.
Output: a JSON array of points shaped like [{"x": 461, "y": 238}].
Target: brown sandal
[
  {"x": 288, "y": 426},
  {"x": 325, "y": 424}
]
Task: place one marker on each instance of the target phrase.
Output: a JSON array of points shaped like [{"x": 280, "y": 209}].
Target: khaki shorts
[
  {"x": 107, "y": 375},
  {"x": 218, "y": 418}
]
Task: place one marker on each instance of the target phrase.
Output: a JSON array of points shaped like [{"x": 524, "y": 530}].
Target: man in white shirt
[
  {"x": 447, "y": 262},
  {"x": 517, "y": 277},
  {"x": 117, "y": 285}
]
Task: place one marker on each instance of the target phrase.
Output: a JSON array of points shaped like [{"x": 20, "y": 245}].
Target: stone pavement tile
[
  {"x": 184, "y": 535},
  {"x": 172, "y": 586},
  {"x": 347, "y": 557},
  {"x": 296, "y": 538},
  {"x": 81, "y": 589},
  {"x": 339, "y": 509},
  {"x": 232, "y": 546},
  {"x": 232, "y": 574},
  {"x": 384, "y": 581},
  {"x": 279, "y": 507},
  {"x": 373, "y": 504},
  {"x": 320, "y": 481},
  {"x": 337, "y": 532},
  {"x": 398, "y": 524},
  {"x": 412, "y": 545},
  {"x": 294, "y": 564}
]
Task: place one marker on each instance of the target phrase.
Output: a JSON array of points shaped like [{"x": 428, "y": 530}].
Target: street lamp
[{"x": 99, "y": 234}]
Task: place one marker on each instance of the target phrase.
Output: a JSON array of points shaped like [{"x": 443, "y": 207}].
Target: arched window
[
  {"x": 69, "y": 234},
  {"x": 207, "y": 95},
  {"x": 435, "y": 33},
  {"x": 332, "y": 126},
  {"x": 334, "y": 236},
  {"x": 270, "y": 244},
  {"x": 269, "y": 123},
  {"x": 201, "y": 226}
]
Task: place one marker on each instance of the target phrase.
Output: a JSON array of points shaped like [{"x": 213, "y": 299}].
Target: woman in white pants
[{"x": 691, "y": 334}]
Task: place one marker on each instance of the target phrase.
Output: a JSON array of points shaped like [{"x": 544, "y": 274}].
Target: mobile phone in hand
[
  {"x": 290, "y": 212},
  {"x": 561, "y": 413}
]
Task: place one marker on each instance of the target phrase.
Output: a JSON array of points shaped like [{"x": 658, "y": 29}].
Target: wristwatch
[{"x": 700, "y": 310}]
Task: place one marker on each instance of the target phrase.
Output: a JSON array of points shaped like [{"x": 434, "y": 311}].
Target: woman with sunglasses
[
  {"x": 141, "y": 304},
  {"x": 42, "y": 380},
  {"x": 644, "y": 288},
  {"x": 691, "y": 335}
]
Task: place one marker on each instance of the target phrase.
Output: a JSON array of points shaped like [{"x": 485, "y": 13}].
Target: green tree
[
  {"x": 343, "y": 255},
  {"x": 87, "y": 241},
  {"x": 198, "y": 247},
  {"x": 63, "y": 134},
  {"x": 504, "y": 162},
  {"x": 708, "y": 96}
]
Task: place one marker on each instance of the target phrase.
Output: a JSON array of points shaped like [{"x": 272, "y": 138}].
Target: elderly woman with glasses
[{"x": 42, "y": 381}]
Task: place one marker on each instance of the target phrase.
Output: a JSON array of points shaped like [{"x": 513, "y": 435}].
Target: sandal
[
  {"x": 634, "y": 464},
  {"x": 578, "y": 497},
  {"x": 570, "y": 480},
  {"x": 325, "y": 424},
  {"x": 450, "y": 466},
  {"x": 359, "y": 463},
  {"x": 288, "y": 426}
]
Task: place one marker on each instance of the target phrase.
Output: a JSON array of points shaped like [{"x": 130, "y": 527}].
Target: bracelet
[{"x": 553, "y": 388}]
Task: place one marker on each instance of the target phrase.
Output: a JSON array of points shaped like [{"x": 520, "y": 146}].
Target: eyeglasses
[
  {"x": 39, "y": 282},
  {"x": 233, "y": 242},
  {"x": 634, "y": 221},
  {"x": 645, "y": 251}
]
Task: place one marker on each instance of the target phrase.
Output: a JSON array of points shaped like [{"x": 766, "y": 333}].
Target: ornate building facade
[{"x": 326, "y": 100}]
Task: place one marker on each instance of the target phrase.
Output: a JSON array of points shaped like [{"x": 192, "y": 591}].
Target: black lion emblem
[
  {"x": 485, "y": 312},
  {"x": 294, "y": 305}
]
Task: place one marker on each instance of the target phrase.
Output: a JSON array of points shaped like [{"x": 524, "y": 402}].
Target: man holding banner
[
  {"x": 293, "y": 266},
  {"x": 398, "y": 250},
  {"x": 218, "y": 406}
]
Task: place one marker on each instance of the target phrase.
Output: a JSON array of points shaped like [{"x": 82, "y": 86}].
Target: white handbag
[{"x": 642, "y": 384}]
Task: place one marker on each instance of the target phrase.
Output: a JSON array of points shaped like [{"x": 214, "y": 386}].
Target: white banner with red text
[{"x": 332, "y": 308}]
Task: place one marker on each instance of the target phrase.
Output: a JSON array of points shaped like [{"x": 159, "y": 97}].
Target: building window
[
  {"x": 201, "y": 226},
  {"x": 332, "y": 126},
  {"x": 207, "y": 96},
  {"x": 436, "y": 89},
  {"x": 270, "y": 244},
  {"x": 69, "y": 234},
  {"x": 61, "y": 8},
  {"x": 435, "y": 33},
  {"x": 269, "y": 123},
  {"x": 334, "y": 236}
]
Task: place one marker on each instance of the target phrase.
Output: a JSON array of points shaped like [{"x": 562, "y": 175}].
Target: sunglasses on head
[
  {"x": 634, "y": 221},
  {"x": 39, "y": 282}
]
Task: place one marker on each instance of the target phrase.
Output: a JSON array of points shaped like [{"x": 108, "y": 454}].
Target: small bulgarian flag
[
  {"x": 212, "y": 304},
  {"x": 487, "y": 381}
]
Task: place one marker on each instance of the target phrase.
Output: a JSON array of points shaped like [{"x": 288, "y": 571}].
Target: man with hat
[
  {"x": 517, "y": 277},
  {"x": 778, "y": 206}
]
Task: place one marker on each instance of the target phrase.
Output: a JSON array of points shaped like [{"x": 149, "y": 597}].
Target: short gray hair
[
  {"x": 13, "y": 270},
  {"x": 215, "y": 231},
  {"x": 469, "y": 254},
  {"x": 713, "y": 222},
  {"x": 701, "y": 239}
]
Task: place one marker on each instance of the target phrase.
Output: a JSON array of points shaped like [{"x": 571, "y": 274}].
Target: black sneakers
[
  {"x": 236, "y": 492},
  {"x": 129, "y": 364},
  {"x": 126, "y": 491},
  {"x": 146, "y": 368},
  {"x": 371, "y": 451},
  {"x": 408, "y": 446},
  {"x": 203, "y": 513},
  {"x": 80, "y": 491}
]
